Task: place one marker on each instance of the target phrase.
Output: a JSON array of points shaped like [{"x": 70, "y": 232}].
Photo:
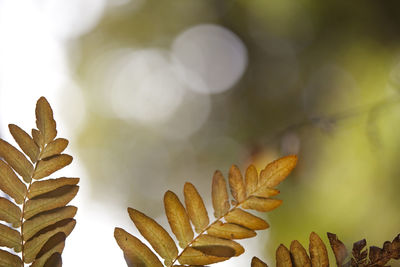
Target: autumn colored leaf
[
  {"x": 25, "y": 142},
  {"x": 339, "y": 249},
  {"x": 236, "y": 184},
  {"x": 45, "y": 121},
  {"x": 178, "y": 219},
  {"x": 158, "y": 238},
  {"x": 135, "y": 251},
  {"x": 283, "y": 257},
  {"x": 195, "y": 208},
  {"x": 215, "y": 240},
  {"x": 220, "y": 198},
  {"x": 39, "y": 225},
  {"x": 299, "y": 254},
  {"x": 256, "y": 262}
]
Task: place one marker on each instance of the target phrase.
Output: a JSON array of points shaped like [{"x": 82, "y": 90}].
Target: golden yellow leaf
[
  {"x": 55, "y": 147},
  {"x": 9, "y": 212},
  {"x": 10, "y": 238},
  {"x": 212, "y": 245},
  {"x": 34, "y": 225},
  {"x": 11, "y": 184},
  {"x": 248, "y": 220},
  {"x": 178, "y": 219},
  {"x": 230, "y": 231},
  {"x": 134, "y": 250},
  {"x": 277, "y": 171},
  {"x": 9, "y": 260},
  {"x": 34, "y": 245},
  {"x": 54, "y": 245},
  {"x": 55, "y": 199},
  {"x": 45, "y": 167},
  {"x": 25, "y": 142},
  {"x": 299, "y": 255},
  {"x": 236, "y": 184},
  {"x": 41, "y": 187},
  {"x": 251, "y": 180},
  {"x": 266, "y": 192},
  {"x": 158, "y": 238},
  {"x": 219, "y": 194},
  {"x": 54, "y": 261},
  {"x": 38, "y": 138},
  {"x": 195, "y": 207},
  {"x": 283, "y": 257},
  {"x": 16, "y": 160},
  {"x": 261, "y": 204},
  {"x": 193, "y": 256},
  {"x": 318, "y": 252},
  {"x": 45, "y": 121},
  {"x": 256, "y": 262}
]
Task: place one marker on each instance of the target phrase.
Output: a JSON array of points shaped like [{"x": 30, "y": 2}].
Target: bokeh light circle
[{"x": 209, "y": 58}]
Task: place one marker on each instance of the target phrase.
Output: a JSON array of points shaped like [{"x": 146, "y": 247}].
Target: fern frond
[
  {"x": 361, "y": 257},
  {"x": 214, "y": 241},
  {"x": 38, "y": 220}
]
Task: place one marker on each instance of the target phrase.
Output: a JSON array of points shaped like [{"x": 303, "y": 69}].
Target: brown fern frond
[
  {"x": 38, "y": 220},
  {"x": 361, "y": 257},
  {"x": 214, "y": 241}
]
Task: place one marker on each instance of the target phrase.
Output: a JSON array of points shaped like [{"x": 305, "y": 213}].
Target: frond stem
[{"x": 204, "y": 230}]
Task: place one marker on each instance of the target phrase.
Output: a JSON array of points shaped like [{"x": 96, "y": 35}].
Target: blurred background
[{"x": 155, "y": 93}]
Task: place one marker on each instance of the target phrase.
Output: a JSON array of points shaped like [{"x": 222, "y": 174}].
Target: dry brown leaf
[
  {"x": 219, "y": 194},
  {"x": 283, "y": 257},
  {"x": 45, "y": 121},
  {"x": 266, "y": 192},
  {"x": 41, "y": 187},
  {"x": 43, "y": 219},
  {"x": 299, "y": 255},
  {"x": 38, "y": 138},
  {"x": 25, "y": 142},
  {"x": 9, "y": 212},
  {"x": 195, "y": 207},
  {"x": 34, "y": 245},
  {"x": 158, "y": 238},
  {"x": 135, "y": 251},
  {"x": 55, "y": 147},
  {"x": 236, "y": 184},
  {"x": 248, "y": 220},
  {"x": 178, "y": 219},
  {"x": 45, "y": 167},
  {"x": 251, "y": 180},
  {"x": 16, "y": 160},
  {"x": 261, "y": 204},
  {"x": 193, "y": 256},
  {"x": 11, "y": 184},
  {"x": 339, "y": 249},
  {"x": 217, "y": 246},
  {"x": 9, "y": 260},
  {"x": 230, "y": 231},
  {"x": 54, "y": 260},
  {"x": 36, "y": 224},
  {"x": 10, "y": 238},
  {"x": 55, "y": 244},
  {"x": 256, "y": 262},
  {"x": 318, "y": 252},
  {"x": 277, "y": 171},
  {"x": 55, "y": 199}
]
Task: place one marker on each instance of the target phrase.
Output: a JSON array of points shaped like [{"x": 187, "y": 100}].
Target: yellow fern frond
[
  {"x": 214, "y": 241},
  {"x": 40, "y": 220}
]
